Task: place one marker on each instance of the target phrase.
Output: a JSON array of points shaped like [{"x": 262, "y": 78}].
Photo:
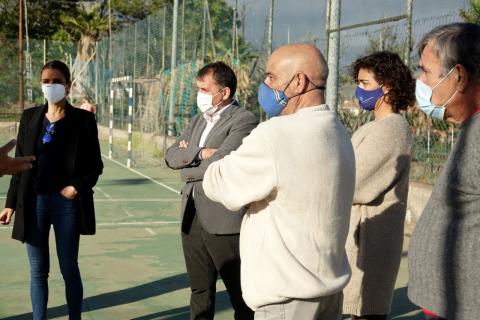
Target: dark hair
[
  {"x": 222, "y": 73},
  {"x": 389, "y": 70},
  {"x": 456, "y": 43},
  {"x": 60, "y": 66}
]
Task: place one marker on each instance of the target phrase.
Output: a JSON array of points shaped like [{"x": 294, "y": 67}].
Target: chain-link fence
[
  {"x": 39, "y": 52},
  {"x": 129, "y": 79},
  {"x": 432, "y": 140}
]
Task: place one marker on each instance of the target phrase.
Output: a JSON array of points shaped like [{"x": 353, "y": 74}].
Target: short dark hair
[
  {"x": 222, "y": 73},
  {"x": 60, "y": 66},
  {"x": 388, "y": 69}
]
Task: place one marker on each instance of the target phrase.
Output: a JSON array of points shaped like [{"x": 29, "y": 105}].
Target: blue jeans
[{"x": 54, "y": 209}]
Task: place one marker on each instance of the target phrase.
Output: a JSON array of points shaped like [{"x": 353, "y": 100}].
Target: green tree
[
  {"x": 473, "y": 14},
  {"x": 136, "y": 10},
  {"x": 86, "y": 24},
  {"x": 43, "y": 17}
]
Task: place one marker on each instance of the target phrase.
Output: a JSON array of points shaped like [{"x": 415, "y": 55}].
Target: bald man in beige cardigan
[{"x": 296, "y": 174}]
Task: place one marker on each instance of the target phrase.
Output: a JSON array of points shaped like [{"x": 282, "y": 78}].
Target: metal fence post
[
  {"x": 408, "y": 40},
  {"x": 110, "y": 134},
  {"x": 333, "y": 54},
  {"x": 130, "y": 124},
  {"x": 173, "y": 65}
]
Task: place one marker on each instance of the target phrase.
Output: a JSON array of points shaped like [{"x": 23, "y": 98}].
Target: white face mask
[
  {"x": 424, "y": 93},
  {"x": 205, "y": 102},
  {"x": 54, "y": 93}
]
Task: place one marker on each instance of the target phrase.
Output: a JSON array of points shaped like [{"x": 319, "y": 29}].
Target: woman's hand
[
  {"x": 6, "y": 216},
  {"x": 69, "y": 192}
]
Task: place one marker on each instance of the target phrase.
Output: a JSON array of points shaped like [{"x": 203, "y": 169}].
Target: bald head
[
  {"x": 300, "y": 72},
  {"x": 291, "y": 59}
]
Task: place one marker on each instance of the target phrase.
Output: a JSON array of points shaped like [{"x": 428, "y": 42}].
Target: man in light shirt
[
  {"x": 210, "y": 232},
  {"x": 296, "y": 175}
]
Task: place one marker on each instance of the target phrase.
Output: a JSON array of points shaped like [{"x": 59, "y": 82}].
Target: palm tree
[
  {"x": 85, "y": 24},
  {"x": 473, "y": 14}
]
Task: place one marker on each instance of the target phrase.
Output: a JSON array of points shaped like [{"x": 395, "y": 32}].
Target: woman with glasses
[
  {"x": 382, "y": 159},
  {"x": 57, "y": 191}
]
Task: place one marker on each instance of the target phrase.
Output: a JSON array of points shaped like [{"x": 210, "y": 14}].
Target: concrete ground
[{"x": 134, "y": 267}]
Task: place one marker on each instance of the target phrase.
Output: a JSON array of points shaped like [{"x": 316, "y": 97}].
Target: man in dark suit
[{"x": 210, "y": 232}]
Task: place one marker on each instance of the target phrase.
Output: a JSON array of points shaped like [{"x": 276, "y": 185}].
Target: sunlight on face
[
  {"x": 51, "y": 76},
  {"x": 366, "y": 80}
]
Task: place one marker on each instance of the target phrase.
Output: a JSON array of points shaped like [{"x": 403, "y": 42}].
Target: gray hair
[{"x": 456, "y": 43}]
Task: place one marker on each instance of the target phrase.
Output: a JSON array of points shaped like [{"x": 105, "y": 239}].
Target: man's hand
[
  {"x": 207, "y": 153},
  {"x": 183, "y": 144},
  {"x": 10, "y": 165},
  {"x": 6, "y": 216},
  {"x": 69, "y": 192}
]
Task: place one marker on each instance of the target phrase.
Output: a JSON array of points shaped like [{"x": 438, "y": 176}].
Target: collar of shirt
[
  {"x": 322, "y": 107},
  {"x": 216, "y": 116},
  {"x": 477, "y": 110}
]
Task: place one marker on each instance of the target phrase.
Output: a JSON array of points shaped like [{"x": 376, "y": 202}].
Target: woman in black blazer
[{"x": 57, "y": 190}]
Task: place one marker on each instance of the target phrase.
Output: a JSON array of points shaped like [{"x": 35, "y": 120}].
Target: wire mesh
[{"x": 143, "y": 50}]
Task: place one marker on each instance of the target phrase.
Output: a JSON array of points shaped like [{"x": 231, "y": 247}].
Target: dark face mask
[{"x": 368, "y": 98}]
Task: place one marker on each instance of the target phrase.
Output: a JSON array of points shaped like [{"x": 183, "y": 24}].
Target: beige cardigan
[
  {"x": 374, "y": 244},
  {"x": 297, "y": 174}
]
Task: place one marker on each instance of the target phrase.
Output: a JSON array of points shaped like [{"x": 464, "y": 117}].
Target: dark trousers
[{"x": 206, "y": 256}]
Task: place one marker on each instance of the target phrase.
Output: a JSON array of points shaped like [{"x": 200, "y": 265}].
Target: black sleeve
[
  {"x": 85, "y": 180},
  {"x": 11, "y": 201}
]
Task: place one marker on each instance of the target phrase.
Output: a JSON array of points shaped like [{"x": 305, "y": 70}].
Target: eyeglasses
[{"x": 49, "y": 131}]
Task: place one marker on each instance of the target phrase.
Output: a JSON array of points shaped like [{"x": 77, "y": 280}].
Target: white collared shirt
[{"x": 211, "y": 121}]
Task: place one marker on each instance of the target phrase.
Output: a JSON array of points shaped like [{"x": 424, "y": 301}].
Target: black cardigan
[{"x": 84, "y": 166}]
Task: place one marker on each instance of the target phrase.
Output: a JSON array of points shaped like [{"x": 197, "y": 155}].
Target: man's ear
[
  {"x": 301, "y": 83},
  {"x": 226, "y": 94},
  {"x": 462, "y": 78}
]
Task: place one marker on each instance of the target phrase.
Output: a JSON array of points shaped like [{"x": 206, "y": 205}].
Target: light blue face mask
[{"x": 424, "y": 93}]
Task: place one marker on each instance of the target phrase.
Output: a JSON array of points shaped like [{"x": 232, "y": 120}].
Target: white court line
[
  {"x": 136, "y": 223},
  {"x": 125, "y": 224},
  {"x": 153, "y": 233},
  {"x": 104, "y": 193},
  {"x": 112, "y": 200},
  {"x": 137, "y": 200},
  {"x": 128, "y": 213},
  {"x": 143, "y": 175},
  {"x": 109, "y": 198}
]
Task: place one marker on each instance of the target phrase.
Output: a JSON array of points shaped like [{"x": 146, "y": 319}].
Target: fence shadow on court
[
  {"x": 120, "y": 297},
  {"x": 222, "y": 302}
]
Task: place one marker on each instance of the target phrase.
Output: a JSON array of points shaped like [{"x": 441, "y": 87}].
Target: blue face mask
[
  {"x": 273, "y": 101},
  {"x": 368, "y": 98},
  {"x": 424, "y": 93}
]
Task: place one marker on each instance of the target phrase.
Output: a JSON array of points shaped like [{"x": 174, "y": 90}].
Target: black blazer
[{"x": 84, "y": 166}]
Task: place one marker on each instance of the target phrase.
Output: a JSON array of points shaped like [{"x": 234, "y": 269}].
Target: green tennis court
[{"x": 134, "y": 267}]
